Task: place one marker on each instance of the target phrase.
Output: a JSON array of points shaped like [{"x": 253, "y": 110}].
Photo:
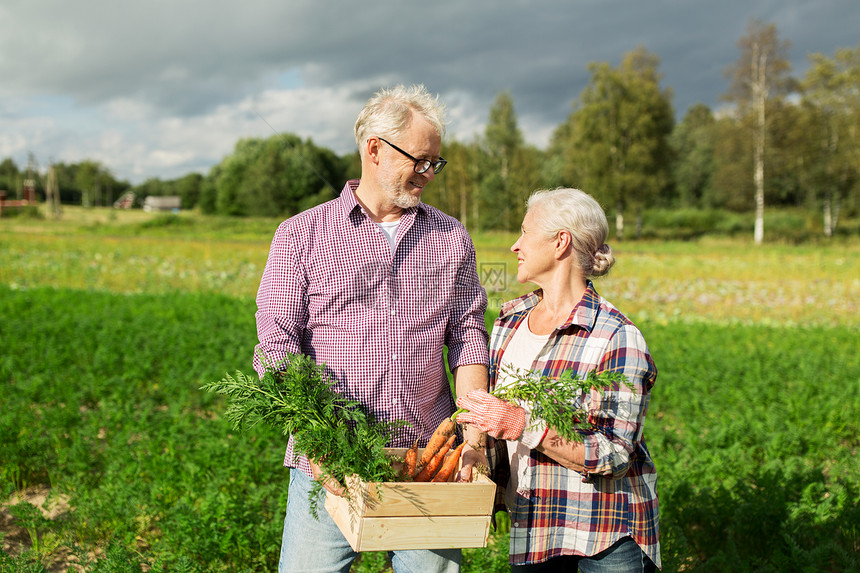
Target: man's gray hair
[{"x": 388, "y": 113}]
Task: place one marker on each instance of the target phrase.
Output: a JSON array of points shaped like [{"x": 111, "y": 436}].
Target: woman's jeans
[
  {"x": 623, "y": 557},
  {"x": 317, "y": 545}
]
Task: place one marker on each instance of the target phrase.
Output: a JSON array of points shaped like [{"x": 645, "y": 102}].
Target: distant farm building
[
  {"x": 29, "y": 197},
  {"x": 168, "y": 203}
]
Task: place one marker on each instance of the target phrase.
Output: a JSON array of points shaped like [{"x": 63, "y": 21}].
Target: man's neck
[{"x": 375, "y": 205}]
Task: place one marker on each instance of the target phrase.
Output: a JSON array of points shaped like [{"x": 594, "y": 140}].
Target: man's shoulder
[
  {"x": 443, "y": 221},
  {"x": 311, "y": 218}
]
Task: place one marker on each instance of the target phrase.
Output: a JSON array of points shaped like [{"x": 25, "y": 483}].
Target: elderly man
[{"x": 373, "y": 284}]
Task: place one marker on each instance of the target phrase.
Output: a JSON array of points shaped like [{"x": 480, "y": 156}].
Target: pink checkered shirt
[{"x": 333, "y": 289}]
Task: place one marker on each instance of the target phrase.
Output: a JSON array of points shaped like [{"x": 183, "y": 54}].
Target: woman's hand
[{"x": 498, "y": 418}]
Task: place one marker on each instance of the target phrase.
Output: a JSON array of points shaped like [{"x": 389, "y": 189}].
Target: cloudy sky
[{"x": 164, "y": 87}]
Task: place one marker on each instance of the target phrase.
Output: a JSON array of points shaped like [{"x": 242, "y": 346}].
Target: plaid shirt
[
  {"x": 334, "y": 290},
  {"x": 556, "y": 511}
]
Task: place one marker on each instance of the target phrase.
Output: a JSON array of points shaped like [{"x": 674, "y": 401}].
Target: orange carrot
[
  {"x": 450, "y": 464},
  {"x": 431, "y": 467},
  {"x": 410, "y": 460},
  {"x": 437, "y": 440}
]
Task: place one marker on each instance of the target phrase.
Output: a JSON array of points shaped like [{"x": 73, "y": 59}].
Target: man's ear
[{"x": 371, "y": 149}]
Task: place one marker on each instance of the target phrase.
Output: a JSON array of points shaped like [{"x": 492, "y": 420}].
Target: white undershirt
[
  {"x": 521, "y": 353},
  {"x": 390, "y": 230},
  {"x": 522, "y": 350}
]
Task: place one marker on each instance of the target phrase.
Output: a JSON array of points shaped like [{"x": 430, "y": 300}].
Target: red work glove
[{"x": 498, "y": 418}]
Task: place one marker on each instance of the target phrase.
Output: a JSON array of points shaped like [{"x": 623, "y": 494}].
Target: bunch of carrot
[{"x": 436, "y": 463}]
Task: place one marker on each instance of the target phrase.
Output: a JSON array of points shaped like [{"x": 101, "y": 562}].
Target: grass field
[
  {"x": 112, "y": 459},
  {"x": 719, "y": 281}
]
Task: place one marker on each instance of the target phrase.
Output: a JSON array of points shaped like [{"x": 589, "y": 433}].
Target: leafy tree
[
  {"x": 9, "y": 175},
  {"x": 786, "y": 132},
  {"x": 69, "y": 193},
  {"x": 352, "y": 165},
  {"x": 87, "y": 181},
  {"x": 692, "y": 143},
  {"x": 502, "y": 143},
  {"x": 733, "y": 188},
  {"x": 832, "y": 100},
  {"x": 281, "y": 175},
  {"x": 455, "y": 190},
  {"x": 188, "y": 189},
  {"x": 759, "y": 74},
  {"x": 617, "y": 137},
  {"x": 562, "y": 167},
  {"x": 209, "y": 192}
]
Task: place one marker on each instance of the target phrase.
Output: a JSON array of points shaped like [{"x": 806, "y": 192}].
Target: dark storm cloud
[
  {"x": 188, "y": 57},
  {"x": 183, "y": 61}
]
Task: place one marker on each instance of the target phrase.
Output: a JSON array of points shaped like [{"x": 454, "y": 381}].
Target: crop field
[{"x": 113, "y": 460}]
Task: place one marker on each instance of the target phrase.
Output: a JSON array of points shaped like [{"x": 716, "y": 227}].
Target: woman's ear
[{"x": 562, "y": 243}]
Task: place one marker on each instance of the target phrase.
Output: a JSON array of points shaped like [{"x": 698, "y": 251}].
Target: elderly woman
[{"x": 590, "y": 504}]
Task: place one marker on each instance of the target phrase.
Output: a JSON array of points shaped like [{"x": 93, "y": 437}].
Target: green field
[{"x": 112, "y": 459}]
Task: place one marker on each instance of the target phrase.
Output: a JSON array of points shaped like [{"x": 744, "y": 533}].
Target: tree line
[{"x": 780, "y": 142}]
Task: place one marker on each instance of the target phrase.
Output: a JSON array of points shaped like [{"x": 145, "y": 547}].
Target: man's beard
[{"x": 395, "y": 193}]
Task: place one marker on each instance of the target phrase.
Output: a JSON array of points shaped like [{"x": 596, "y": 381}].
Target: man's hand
[
  {"x": 330, "y": 484},
  {"x": 471, "y": 458}
]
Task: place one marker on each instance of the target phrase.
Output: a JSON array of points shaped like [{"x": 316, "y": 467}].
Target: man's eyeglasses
[{"x": 421, "y": 165}]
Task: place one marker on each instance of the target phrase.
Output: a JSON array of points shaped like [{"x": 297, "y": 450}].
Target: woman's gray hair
[
  {"x": 579, "y": 214},
  {"x": 389, "y": 111}
]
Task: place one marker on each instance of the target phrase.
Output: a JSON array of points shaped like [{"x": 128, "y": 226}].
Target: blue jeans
[
  {"x": 623, "y": 557},
  {"x": 317, "y": 545}
]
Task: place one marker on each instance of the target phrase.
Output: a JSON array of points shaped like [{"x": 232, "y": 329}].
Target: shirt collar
[
  {"x": 584, "y": 314},
  {"x": 350, "y": 203}
]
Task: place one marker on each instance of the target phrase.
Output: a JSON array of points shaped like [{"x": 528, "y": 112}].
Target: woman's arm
[
  {"x": 569, "y": 454},
  {"x": 617, "y": 414}
]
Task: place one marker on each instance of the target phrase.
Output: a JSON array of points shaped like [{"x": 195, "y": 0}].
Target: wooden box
[{"x": 409, "y": 515}]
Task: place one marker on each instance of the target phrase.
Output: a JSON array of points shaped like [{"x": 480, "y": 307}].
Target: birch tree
[{"x": 760, "y": 73}]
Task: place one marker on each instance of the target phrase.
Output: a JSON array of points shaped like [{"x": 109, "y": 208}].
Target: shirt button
[
  {"x": 393, "y": 312},
  {"x": 394, "y": 357}
]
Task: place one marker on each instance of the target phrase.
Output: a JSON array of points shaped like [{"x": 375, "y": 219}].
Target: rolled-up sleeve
[
  {"x": 618, "y": 414},
  {"x": 281, "y": 302}
]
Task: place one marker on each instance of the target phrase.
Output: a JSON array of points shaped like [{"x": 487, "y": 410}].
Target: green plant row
[
  {"x": 753, "y": 429},
  {"x": 101, "y": 403}
]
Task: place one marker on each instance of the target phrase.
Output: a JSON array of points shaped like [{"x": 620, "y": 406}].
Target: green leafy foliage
[
  {"x": 101, "y": 402},
  {"x": 754, "y": 433},
  {"x": 752, "y": 424},
  {"x": 297, "y": 398},
  {"x": 29, "y": 516},
  {"x": 553, "y": 400}
]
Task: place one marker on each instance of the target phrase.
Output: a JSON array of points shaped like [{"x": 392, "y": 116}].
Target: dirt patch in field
[{"x": 16, "y": 538}]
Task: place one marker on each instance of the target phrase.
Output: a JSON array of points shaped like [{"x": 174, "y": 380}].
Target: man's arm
[
  {"x": 282, "y": 314},
  {"x": 471, "y": 377}
]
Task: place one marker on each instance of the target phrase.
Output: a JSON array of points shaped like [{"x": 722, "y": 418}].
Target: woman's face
[{"x": 534, "y": 251}]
